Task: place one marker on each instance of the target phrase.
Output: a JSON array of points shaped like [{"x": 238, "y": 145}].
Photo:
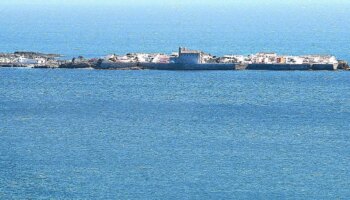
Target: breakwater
[{"x": 289, "y": 67}]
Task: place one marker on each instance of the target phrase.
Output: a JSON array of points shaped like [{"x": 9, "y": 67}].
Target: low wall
[
  {"x": 291, "y": 67},
  {"x": 278, "y": 67},
  {"x": 230, "y": 66},
  {"x": 6, "y": 65},
  {"x": 177, "y": 66},
  {"x": 324, "y": 67}
]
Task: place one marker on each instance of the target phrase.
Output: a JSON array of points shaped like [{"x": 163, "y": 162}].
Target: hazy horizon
[
  {"x": 94, "y": 28},
  {"x": 178, "y": 2}
]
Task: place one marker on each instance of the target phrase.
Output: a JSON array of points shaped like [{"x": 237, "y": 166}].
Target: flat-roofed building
[{"x": 187, "y": 56}]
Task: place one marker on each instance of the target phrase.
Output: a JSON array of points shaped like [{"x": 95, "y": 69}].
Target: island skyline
[{"x": 183, "y": 59}]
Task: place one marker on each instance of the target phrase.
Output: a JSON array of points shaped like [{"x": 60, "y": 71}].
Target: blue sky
[{"x": 171, "y": 2}]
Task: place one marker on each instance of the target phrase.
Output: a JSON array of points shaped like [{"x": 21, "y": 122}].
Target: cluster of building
[
  {"x": 182, "y": 60},
  {"x": 186, "y": 56},
  {"x": 273, "y": 58},
  {"x": 139, "y": 58},
  {"x": 28, "y": 59}
]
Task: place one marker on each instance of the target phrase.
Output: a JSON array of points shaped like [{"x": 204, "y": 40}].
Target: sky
[{"x": 171, "y": 2}]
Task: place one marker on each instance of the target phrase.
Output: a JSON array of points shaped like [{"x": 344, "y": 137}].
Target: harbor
[{"x": 183, "y": 59}]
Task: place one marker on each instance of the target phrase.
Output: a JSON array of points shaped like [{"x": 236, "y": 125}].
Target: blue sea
[
  {"x": 90, "y": 134},
  {"x": 85, "y": 134},
  {"x": 219, "y": 29}
]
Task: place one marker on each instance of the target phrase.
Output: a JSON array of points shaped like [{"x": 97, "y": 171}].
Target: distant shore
[{"x": 183, "y": 60}]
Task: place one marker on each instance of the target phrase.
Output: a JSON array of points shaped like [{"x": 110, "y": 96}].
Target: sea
[{"x": 95, "y": 134}]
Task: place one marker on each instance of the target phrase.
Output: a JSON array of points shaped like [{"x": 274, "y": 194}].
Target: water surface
[
  {"x": 238, "y": 28},
  {"x": 84, "y": 134}
]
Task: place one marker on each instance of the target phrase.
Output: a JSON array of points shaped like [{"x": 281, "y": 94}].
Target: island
[{"x": 184, "y": 59}]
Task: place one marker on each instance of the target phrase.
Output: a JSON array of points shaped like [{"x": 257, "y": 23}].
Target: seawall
[
  {"x": 291, "y": 67},
  {"x": 231, "y": 66},
  {"x": 176, "y": 66}
]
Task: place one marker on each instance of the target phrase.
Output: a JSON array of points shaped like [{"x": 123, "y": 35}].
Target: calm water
[
  {"x": 87, "y": 134},
  {"x": 313, "y": 28},
  {"x": 81, "y": 134}
]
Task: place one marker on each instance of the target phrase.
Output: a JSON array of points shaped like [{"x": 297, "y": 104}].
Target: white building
[
  {"x": 5, "y": 60},
  {"x": 29, "y": 61}
]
